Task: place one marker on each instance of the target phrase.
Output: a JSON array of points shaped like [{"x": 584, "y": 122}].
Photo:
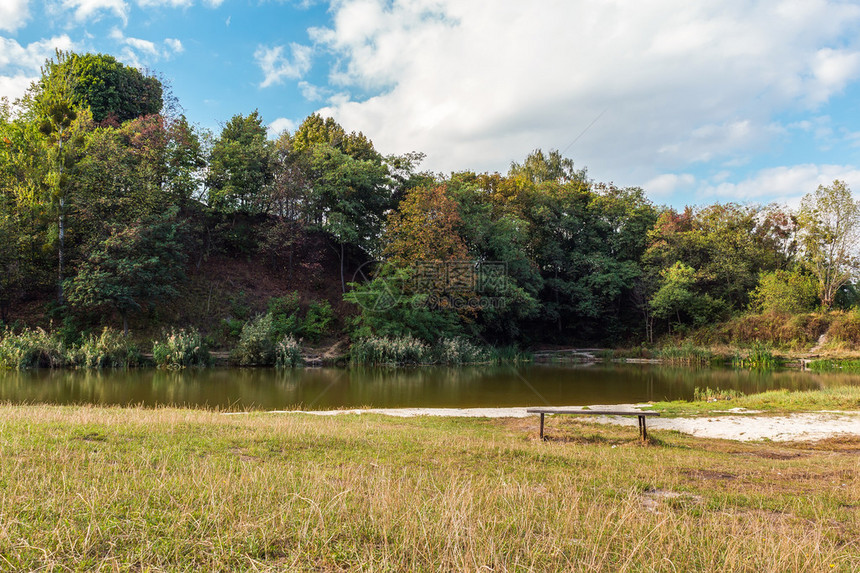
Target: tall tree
[
  {"x": 829, "y": 220},
  {"x": 63, "y": 139},
  {"x": 240, "y": 165},
  {"x": 113, "y": 91}
]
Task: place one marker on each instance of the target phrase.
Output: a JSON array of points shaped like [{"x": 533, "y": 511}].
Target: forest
[{"x": 119, "y": 219}]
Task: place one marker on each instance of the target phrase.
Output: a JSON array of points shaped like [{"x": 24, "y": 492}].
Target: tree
[
  {"x": 782, "y": 291},
  {"x": 425, "y": 228},
  {"x": 829, "y": 220},
  {"x": 540, "y": 168},
  {"x": 136, "y": 265},
  {"x": 58, "y": 123},
  {"x": 240, "y": 166},
  {"x": 113, "y": 91},
  {"x": 347, "y": 200}
]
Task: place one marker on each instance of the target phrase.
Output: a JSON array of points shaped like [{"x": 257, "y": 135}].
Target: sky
[{"x": 696, "y": 102}]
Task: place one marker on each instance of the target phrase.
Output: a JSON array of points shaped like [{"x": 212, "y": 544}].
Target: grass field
[{"x": 87, "y": 488}]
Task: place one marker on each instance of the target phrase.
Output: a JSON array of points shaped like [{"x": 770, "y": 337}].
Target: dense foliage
[{"x": 110, "y": 201}]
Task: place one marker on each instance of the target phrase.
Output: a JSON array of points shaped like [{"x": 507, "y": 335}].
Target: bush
[
  {"x": 286, "y": 318},
  {"x": 458, "y": 350},
  {"x": 181, "y": 348},
  {"x": 317, "y": 321},
  {"x": 284, "y": 311},
  {"x": 288, "y": 353},
  {"x": 255, "y": 347},
  {"x": 846, "y": 328},
  {"x": 110, "y": 349},
  {"x": 786, "y": 292},
  {"x": 32, "y": 348},
  {"x": 385, "y": 350}
]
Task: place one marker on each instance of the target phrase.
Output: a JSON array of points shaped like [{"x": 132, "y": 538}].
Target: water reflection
[{"x": 417, "y": 387}]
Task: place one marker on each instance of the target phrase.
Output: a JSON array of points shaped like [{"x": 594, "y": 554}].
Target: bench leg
[
  {"x": 643, "y": 433},
  {"x": 541, "y": 426}
]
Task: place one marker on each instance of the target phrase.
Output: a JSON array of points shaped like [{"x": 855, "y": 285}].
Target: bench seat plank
[{"x": 643, "y": 432}]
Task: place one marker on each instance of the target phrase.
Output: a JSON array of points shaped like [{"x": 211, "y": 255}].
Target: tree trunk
[
  {"x": 342, "y": 282},
  {"x": 62, "y": 239},
  {"x": 125, "y": 325}
]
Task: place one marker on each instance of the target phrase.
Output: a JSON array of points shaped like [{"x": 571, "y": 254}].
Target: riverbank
[{"x": 172, "y": 489}]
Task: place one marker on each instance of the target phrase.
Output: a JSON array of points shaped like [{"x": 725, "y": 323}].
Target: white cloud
[
  {"x": 91, "y": 9},
  {"x": 170, "y": 3},
  {"x": 277, "y": 67},
  {"x": 20, "y": 65},
  {"x": 174, "y": 45},
  {"x": 13, "y": 14},
  {"x": 784, "y": 184},
  {"x": 137, "y": 51},
  {"x": 281, "y": 125},
  {"x": 668, "y": 183},
  {"x": 477, "y": 83}
]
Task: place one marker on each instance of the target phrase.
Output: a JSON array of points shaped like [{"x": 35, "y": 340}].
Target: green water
[{"x": 327, "y": 388}]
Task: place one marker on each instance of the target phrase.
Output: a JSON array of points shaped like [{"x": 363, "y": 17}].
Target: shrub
[
  {"x": 32, "y": 348},
  {"x": 288, "y": 353},
  {"x": 181, "y": 348},
  {"x": 846, "y": 328},
  {"x": 255, "y": 347},
  {"x": 110, "y": 349},
  {"x": 458, "y": 350},
  {"x": 385, "y": 350},
  {"x": 284, "y": 311},
  {"x": 287, "y": 320},
  {"x": 317, "y": 321},
  {"x": 787, "y": 292}
]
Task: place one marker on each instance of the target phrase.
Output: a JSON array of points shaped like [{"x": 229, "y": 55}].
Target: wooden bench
[{"x": 643, "y": 433}]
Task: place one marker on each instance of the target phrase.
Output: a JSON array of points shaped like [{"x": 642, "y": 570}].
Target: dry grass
[{"x": 119, "y": 489}]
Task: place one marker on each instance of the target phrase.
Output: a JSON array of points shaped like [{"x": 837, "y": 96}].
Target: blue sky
[{"x": 696, "y": 102}]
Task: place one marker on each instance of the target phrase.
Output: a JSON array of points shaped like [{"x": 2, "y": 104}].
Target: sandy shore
[{"x": 745, "y": 426}]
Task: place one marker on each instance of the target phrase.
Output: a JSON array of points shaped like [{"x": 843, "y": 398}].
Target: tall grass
[
  {"x": 380, "y": 350},
  {"x": 760, "y": 357},
  {"x": 32, "y": 348},
  {"x": 38, "y": 348},
  {"x": 179, "y": 490},
  {"x": 407, "y": 350},
  {"x": 110, "y": 349},
  {"x": 686, "y": 354},
  {"x": 181, "y": 348},
  {"x": 288, "y": 353}
]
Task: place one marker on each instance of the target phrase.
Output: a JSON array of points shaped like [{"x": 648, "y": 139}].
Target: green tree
[
  {"x": 782, "y": 291},
  {"x": 138, "y": 265},
  {"x": 829, "y": 220},
  {"x": 240, "y": 166},
  {"x": 63, "y": 133},
  {"x": 113, "y": 91},
  {"x": 347, "y": 200}
]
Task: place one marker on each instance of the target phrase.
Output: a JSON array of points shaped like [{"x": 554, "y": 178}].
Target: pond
[{"x": 328, "y": 388}]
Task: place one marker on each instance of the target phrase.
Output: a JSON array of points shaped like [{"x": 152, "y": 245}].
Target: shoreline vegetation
[
  {"x": 173, "y": 489},
  {"x": 261, "y": 345}
]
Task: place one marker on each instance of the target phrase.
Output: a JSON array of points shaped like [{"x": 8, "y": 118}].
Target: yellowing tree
[{"x": 425, "y": 228}]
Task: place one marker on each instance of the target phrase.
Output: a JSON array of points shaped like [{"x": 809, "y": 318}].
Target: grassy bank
[
  {"x": 96, "y": 488},
  {"x": 773, "y": 401}
]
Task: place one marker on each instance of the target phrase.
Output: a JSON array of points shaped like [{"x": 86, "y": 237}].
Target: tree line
[{"x": 108, "y": 195}]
